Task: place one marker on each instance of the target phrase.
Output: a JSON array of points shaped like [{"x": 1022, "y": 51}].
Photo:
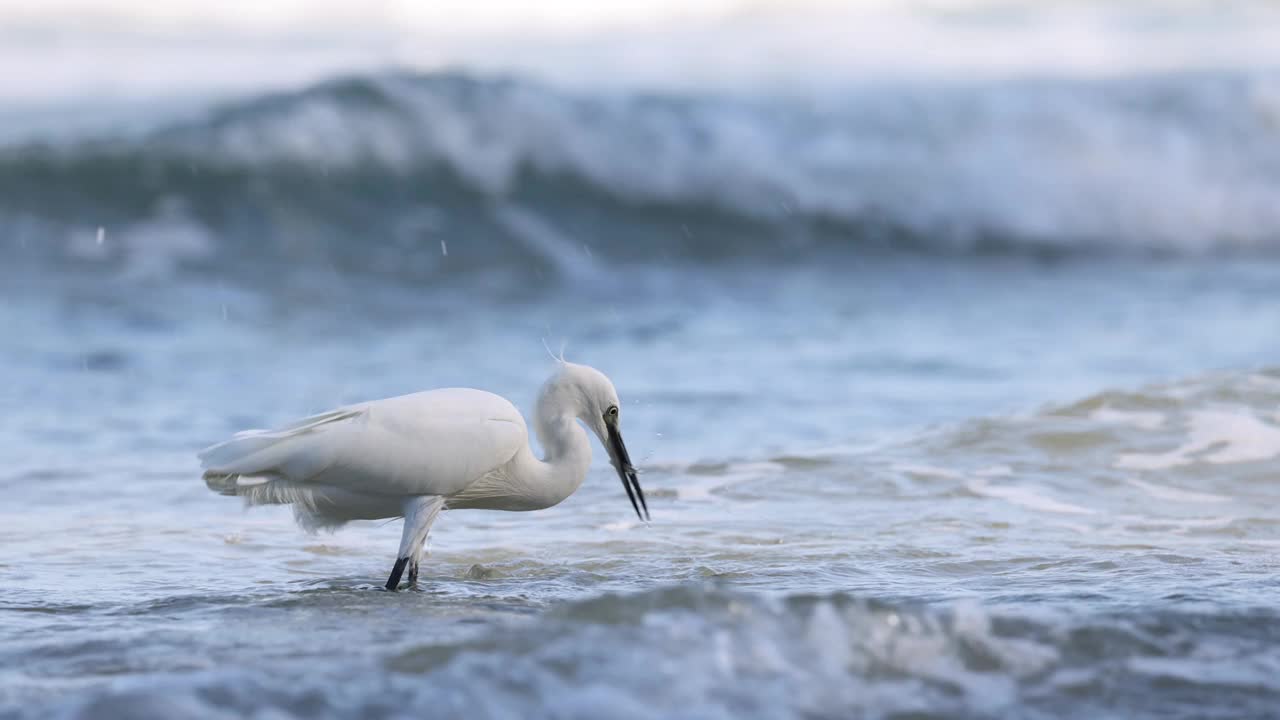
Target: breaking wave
[
  {"x": 709, "y": 653},
  {"x": 409, "y": 174}
]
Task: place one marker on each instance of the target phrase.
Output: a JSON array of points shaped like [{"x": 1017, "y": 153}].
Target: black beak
[{"x": 622, "y": 463}]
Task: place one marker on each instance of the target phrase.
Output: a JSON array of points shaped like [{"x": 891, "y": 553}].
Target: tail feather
[
  {"x": 233, "y": 484},
  {"x": 309, "y": 503},
  {"x": 279, "y": 467},
  {"x": 221, "y": 483},
  {"x": 315, "y": 507}
]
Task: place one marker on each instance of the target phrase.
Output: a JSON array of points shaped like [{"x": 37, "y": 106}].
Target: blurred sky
[
  {"x": 285, "y": 16},
  {"x": 69, "y": 51},
  {"x": 279, "y": 17}
]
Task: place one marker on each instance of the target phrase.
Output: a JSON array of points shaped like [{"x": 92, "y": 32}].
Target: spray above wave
[{"x": 395, "y": 172}]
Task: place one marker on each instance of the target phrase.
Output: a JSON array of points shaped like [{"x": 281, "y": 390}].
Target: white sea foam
[
  {"x": 929, "y": 471},
  {"x": 1025, "y": 497},
  {"x": 1164, "y": 492},
  {"x": 1138, "y": 419},
  {"x": 945, "y": 162},
  {"x": 1213, "y": 436}
]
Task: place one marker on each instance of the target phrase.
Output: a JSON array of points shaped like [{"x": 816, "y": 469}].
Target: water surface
[{"x": 900, "y": 487}]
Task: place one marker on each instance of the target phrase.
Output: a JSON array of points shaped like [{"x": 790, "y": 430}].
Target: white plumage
[{"x": 412, "y": 456}]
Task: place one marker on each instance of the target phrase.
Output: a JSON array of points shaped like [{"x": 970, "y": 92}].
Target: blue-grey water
[{"x": 953, "y": 401}]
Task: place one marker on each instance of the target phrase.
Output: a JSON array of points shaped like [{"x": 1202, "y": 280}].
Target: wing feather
[{"x": 429, "y": 443}]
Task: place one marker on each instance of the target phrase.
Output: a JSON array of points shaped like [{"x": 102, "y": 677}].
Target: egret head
[{"x": 593, "y": 399}]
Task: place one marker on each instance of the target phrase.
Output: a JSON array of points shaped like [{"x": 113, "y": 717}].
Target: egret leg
[
  {"x": 414, "y": 561},
  {"x": 419, "y": 513},
  {"x": 393, "y": 582}
]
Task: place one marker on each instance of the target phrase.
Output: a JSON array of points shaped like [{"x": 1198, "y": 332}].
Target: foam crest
[
  {"x": 1214, "y": 436},
  {"x": 384, "y": 172}
]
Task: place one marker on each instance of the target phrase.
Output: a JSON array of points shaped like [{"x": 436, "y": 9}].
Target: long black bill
[{"x": 622, "y": 463}]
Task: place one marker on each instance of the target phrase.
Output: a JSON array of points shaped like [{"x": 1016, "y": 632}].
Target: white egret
[{"x": 414, "y": 455}]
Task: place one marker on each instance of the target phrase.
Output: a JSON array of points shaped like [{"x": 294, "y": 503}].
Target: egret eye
[{"x": 612, "y": 412}]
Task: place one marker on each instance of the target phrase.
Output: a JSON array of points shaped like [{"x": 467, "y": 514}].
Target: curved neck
[
  {"x": 561, "y": 437},
  {"x": 566, "y": 454}
]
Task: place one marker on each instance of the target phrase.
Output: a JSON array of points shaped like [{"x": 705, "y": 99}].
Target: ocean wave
[
  {"x": 405, "y": 173},
  {"x": 694, "y": 651},
  {"x": 1165, "y": 467},
  {"x": 1219, "y": 419}
]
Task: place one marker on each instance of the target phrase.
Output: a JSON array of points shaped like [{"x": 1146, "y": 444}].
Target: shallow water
[
  {"x": 902, "y": 487},
  {"x": 946, "y": 340}
]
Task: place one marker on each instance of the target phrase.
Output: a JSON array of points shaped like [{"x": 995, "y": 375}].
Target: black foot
[
  {"x": 413, "y": 574},
  {"x": 393, "y": 582}
]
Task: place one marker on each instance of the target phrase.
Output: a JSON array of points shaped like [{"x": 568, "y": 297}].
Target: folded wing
[{"x": 429, "y": 443}]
